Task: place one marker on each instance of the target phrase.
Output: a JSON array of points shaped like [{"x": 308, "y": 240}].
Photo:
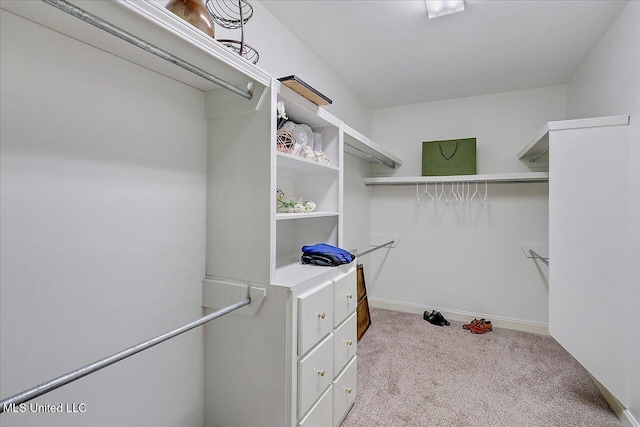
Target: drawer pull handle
[
  {"x": 347, "y": 389},
  {"x": 349, "y": 342},
  {"x": 321, "y": 315},
  {"x": 349, "y": 296},
  {"x": 320, "y": 373}
]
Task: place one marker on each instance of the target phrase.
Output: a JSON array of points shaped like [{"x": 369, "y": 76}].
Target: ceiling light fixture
[{"x": 437, "y": 8}]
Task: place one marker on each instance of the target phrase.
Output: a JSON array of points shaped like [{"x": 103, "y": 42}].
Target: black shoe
[
  {"x": 443, "y": 321},
  {"x": 434, "y": 317},
  {"x": 438, "y": 319},
  {"x": 446, "y": 322}
]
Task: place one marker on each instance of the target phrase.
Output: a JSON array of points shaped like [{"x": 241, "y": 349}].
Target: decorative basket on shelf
[{"x": 285, "y": 141}]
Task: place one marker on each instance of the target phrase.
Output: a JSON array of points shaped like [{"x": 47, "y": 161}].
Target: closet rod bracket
[{"x": 535, "y": 255}]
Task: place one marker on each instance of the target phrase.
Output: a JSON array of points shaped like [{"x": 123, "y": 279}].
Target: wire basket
[
  {"x": 242, "y": 49},
  {"x": 231, "y": 14},
  {"x": 234, "y": 14}
]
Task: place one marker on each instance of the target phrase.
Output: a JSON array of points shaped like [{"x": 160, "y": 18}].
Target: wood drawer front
[
  {"x": 344, "y": 392},
  {"x": 344, "y": 343},
  {"x": 315, "y": 317},
  {"x": 344, "y": 297},
  {"x": 321, "y": 415},
  {"x": 315, "y": 372}
]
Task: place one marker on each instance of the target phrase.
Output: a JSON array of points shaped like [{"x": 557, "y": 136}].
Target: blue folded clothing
[{"x": 324, "y": 254}]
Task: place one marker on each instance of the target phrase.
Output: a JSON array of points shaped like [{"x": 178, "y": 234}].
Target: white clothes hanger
[
  {"x": 426, "y": 191},
  {"x": 441, "y": 190},
  {"x": 475, "y": 192},
  {"x": 450, "y": 193}
]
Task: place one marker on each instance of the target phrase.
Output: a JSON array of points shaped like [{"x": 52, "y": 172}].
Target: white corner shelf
[
  {"x": 359, "y": 145},
  {"x": 540, "y": 142},
  {"x": 500, "y": 177},
  {"x": 306, "y": 215}
]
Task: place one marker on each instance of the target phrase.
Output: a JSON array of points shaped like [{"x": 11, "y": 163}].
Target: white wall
[
  {"x": 103, "y": 200},
  {"x": 466, "y": 258},
  {"x": 357, "y": 202},
  {"x": 608, "y": 83}
]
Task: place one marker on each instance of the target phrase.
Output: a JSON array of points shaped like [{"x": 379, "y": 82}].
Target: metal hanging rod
[
  {"x": 392, "y": 166},
  {"x": 136, "y": 41},
  {"x": 540, "y": 154},
  {"x": 497, "y": 178},
  {"x": 55, "y": 383},
  {"x": 535, "y": 255},
  {"x": 368, "y": 251}
]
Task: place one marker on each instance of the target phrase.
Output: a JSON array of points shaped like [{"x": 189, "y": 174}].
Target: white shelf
[
  {"x": 156, "y": 25},
  {"x": 290, "y": 271},
  {"x": 359, "y": 145},
  {"x": 302, "y": 165},
  {"x": 540, "y": 141},
  {"x": 501, "y": 177},
  {"x": 283, "y": 216}
]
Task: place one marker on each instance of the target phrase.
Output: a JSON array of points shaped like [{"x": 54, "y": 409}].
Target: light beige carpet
[{"x": 412, "y": 373}]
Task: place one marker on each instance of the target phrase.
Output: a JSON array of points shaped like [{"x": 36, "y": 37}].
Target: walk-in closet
[{"x": 243, "y": 213}]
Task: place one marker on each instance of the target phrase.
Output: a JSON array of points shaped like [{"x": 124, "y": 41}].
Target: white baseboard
[
  {"x": 623, "y": 414},
  {"x": 499, "y": 322}
]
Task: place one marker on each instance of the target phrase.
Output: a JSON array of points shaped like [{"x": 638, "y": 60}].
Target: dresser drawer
[
  {"x": 315, "y": 372},
  {"x": 344, "y": 343},
  {"x": 321, "y": 414},
  {"x": 315, "y": 317},
  {"x": 344, "y": 297},
  {"x": 344, "y": 392}
]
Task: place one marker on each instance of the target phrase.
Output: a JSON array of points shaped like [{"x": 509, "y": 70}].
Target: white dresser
[
  {"x": 289, "y": 358},
  {"x": 327, "y": 339}
]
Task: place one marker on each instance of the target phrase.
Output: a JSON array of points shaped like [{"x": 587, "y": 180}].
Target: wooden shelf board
[{"x": 301, "y": 110}]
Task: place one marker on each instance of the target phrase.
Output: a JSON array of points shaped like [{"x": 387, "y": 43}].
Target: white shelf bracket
[{"x": 218, "y": 293}]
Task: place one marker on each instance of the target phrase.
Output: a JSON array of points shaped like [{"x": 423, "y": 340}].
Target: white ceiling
[{"x": 390, "y": 53}]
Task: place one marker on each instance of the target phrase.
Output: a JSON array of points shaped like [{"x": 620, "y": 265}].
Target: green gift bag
[{"x": 449, "y": 157}]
